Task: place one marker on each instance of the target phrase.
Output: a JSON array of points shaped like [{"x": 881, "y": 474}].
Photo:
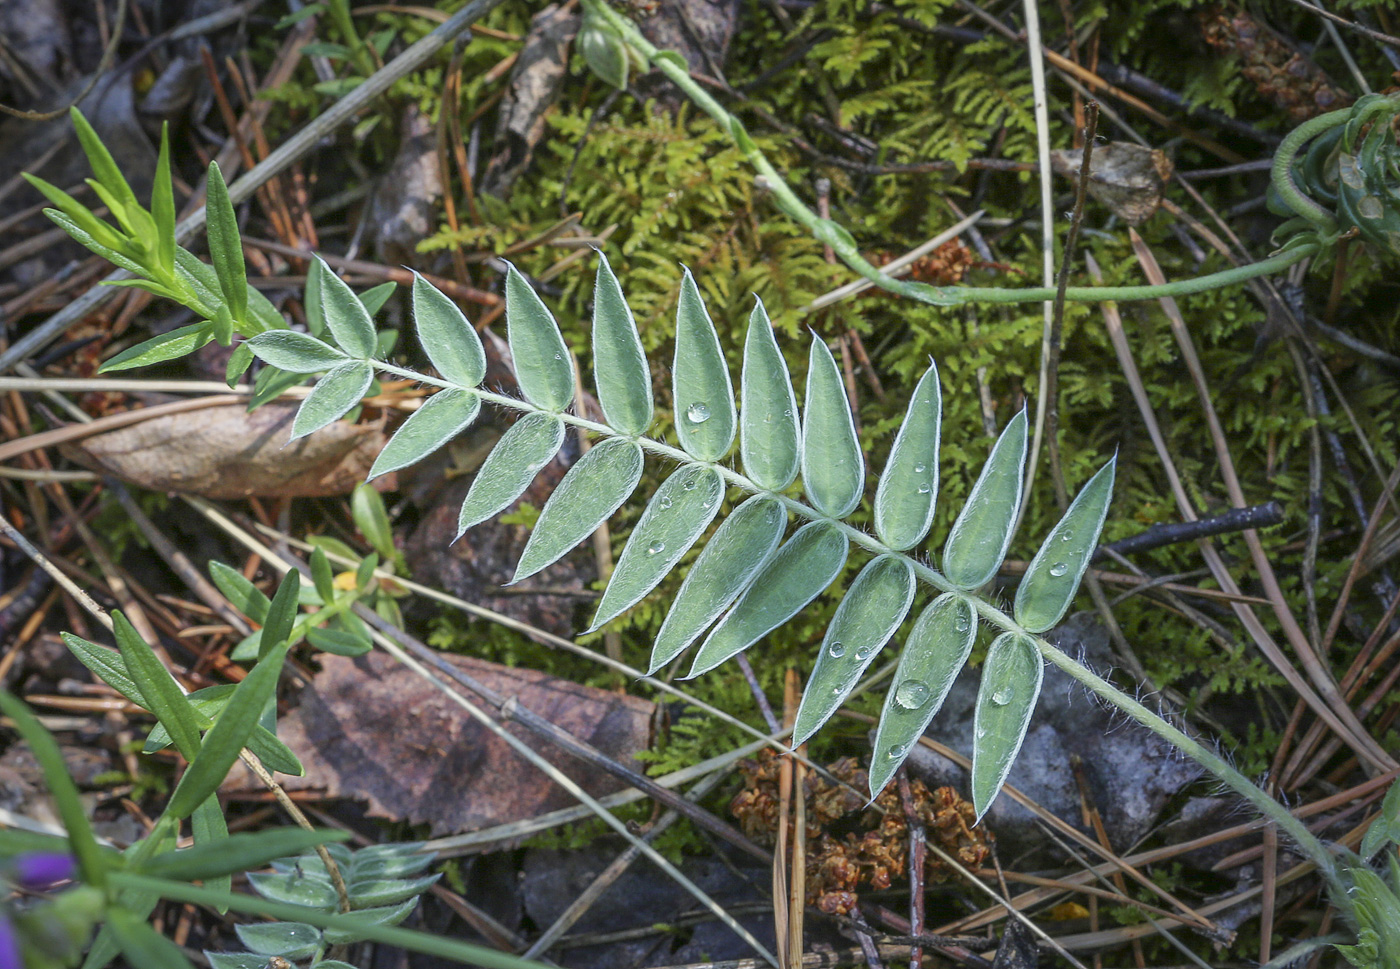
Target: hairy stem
[{"x": 1282, "y": 170}]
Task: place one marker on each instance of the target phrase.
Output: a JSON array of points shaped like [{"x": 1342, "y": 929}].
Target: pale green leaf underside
[
  {"x": 345, "y": 316},
  {"x": 332, "y": 397},
  {"x": 833, "y": 467},
  {"x": 738, "y": 549},
  {"x": 1052, "y": 578},
  {"x": 680, "y": 511},
  {"x": 592, "y": 490},
  {"x": 446, "y": 335},
  {"x": 542, "y": 363},
  {"x": 770, "y": 441},
  {"x": 799, "y": 571},
  {"x": 980, "y": 536},
  {"x": 295, "y": 352},
  {"x": 867, "y": 617},
  {"x": 935, "y": 651},
  {"x": 441, "y": 418},
  {"x": 1011, "y": 679},
  {"x": 904, "y": 499},
  {"x": 529, "y": 444},
  {"x": 704, "y": 394},
  {"x": 619, "y": 363}
]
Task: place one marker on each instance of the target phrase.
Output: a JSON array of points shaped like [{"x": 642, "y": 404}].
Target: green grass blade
[
  {"x": 295, "y": 352},
  {"x": 799, "y": 571},
  {"x": 592, "y": 490},
  {"x": 226, "y": 245},
  {"x": 1011, "y": 680},
  {"x": 833, "y": 468},
  {"x": 448, "y": 338},
  {"x": 738, "y": 549},
  {"x": 770, "y": 441},
  {"x": 542, "y": 363},
  {"x": 1052, "y": 578},
  {"x": 345, "y": 316},
  {"x": 704, "y": 394},
  {"x": 867, "y": 617},
  {"x": 935, "y": 651},
  {"x": 619, "y": 364},
  {"x": 441, "y": 418},
  {"x": 980, "y": 536},
  {"x": 529, "y": 444},
  {"x": 332, "y": 397},
  {"x": 677, "y": 514},
  {"x": 905, "y": 497}
]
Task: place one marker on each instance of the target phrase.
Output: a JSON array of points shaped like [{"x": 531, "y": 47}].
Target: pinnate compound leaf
[
  {"x": 345, "y": 316},
  {"x": 592, "y": 490},
  {"x": 936, "y": 650},
  {"x": 867, "y": 617},
  {"x": 979, "y": 538},
  {"x": 332, "y": 397},
  {"x": 441, "y": 418},
  {"x": 448, "y": 338},
  {"x": 1052, "y": 578},
  {"x": 904, "y": 499},
  {"x": 704, "y": 394},
  {"x": 738, "y": 549},
  {"x": 681, "y": 509},
  {"x": 799, "y": 571},
  {"x": 542, "y": 363},
  {"x": 529, "y": 444},
  {"x": 295, "y": 352},
  {"x": 619, "y": 364},
  {"x": 770, "y": 441},
  {"x": 833, "y": 468},
  {"x": 1011, "y": 679}
]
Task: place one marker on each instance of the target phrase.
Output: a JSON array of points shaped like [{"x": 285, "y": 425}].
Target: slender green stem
[{"x": 1282, "y": 171}]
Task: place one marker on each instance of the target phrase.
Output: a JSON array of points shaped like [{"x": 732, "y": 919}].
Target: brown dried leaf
[
  {"x": 226, "y": 452},
  {"x": 1128, "y": 178},
  {"x": 370, "y": 729}
]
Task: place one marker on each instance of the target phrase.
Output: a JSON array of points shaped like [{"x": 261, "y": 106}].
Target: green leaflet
[
  {"x": 542, "y": 363},
  {"x": 808, "y": 563},
  {"x": 345, "y": 316},
  {"x": 441, "y": 418},
  {"x": 681, "y": 509},
  {"x": 592, "y": 490},
  {"x": 374, "y": 298},
  {"x": 619, "y": 364},
  {"x": 225, "y": 245},
  {"x": 338, "y": 642},
  {"x": 738, "y": 549},
  {"x": 449, "y": 340},
  {"x": 980, "y": 536},
  {"x": 333, "y": 396},
  {"x": 163, "y": 695},
  {"x": 833, "y": 468},
  {"x": 529, "y": 444},
  {"x": 904, "y": 499},
  {"x": 108, "y": 173},
  {"x": 1052, "y": 578},
  {"x": 163, "y": 203},
  {"x": 770, "y": 441},
  {"x": 867, "y": 617},
  {"x": 107, "y": 665},
  {"x": 604, "y": 52},
  {"x": 282, "y": 612},
  {"x": 208, "y": 703},
  {"x": 704, "y": 394},
  {"x": 293, "y": 941},
  {"x": 295, "y": 352},
  {"x": 935, "y": 651},
  {"x": 179, "y": 342},
  {"x": 1011, "y": 679}
]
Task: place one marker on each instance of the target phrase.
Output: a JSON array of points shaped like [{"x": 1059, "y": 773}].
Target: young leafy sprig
[{"x": 747, "y": 581}]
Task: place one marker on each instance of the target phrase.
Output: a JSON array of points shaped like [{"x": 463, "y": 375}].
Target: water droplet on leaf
[
  {"x": 698, "y": 413},
  {"x": 896, "y": 751},
  {"x": 665, "y": 502},
  {"x": 657, "y": 546},
  {"x": 961, "y": 624},
  {"x": 836, "y": 650},
  {"x": 864, "y": 651},
  {"x": 1059, "y": 568},
  {"x": 1003, "y": 696},
  {"x": 919, "y": 469},
  {"x": 923, "y": 489},
  {"x": 912, "y": 694}
]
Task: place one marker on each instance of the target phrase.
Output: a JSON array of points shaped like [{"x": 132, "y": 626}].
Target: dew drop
[
  {"x": 961, "y": 624},
  {"x": 912, "y": 694},
  {"x": 923, "y": 489},
  {"x": 836, "y": 650},
  {"x": 1059, "y": 568},
  {"x": 864, "y": 651},
  {"x": 787, "y": 412},
  {"x": 559, "y": 356},
  {"x": 690, "y": 485},
  {"x": 919, "y": 468},
  {"x": 657, "y": 546},
  {"x": 896, "y": 751},
  {"x": 1003, "y": 696},
  {"x": 664, "y": 502},
  {"x": 698, "y": 413},
  {"x": 1067, "y": 537}
]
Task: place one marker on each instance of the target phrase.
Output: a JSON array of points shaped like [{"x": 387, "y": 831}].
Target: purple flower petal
[
  {"x": 9, "y": 946},
  {"x": 43, "y": 869}
]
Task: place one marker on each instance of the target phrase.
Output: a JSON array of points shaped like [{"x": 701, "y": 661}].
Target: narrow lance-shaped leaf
[
  {"x": 142, "y": 945},
  {"x": 681, "y": 509},
  {"x": 529, "y": 444},
  {"x": 770, "y": 441},
  {"x": 164, "y": 696},
  {"x": 833, "y": 468},
  {"x": 295, "y": 352},
  {"x": 448, "y": 338},
  {"x": 225, "y": 245},
  {"x": 738, "y": 549},
  {"x": 104, "y": 166},
  {"x": 242, "y": 594},
  {"x": 935, "y": 651},
  {"x": 1011, "y": 680},
  {"x": 619, "y": 364},
  {"x": 179, "y": 342},
  {"x": 979, "y": 538},
  {"x": 704, "y": 394},
  {"x": 542, "y": 364},
  {"x": 344, "y": 315},
  {"x": 593, "y": 489},
  {"x": 1052, "y": 578},
  {"x": 904, "y": 499},
  {"x": 332, "y": 397},
  {"x": 208, "y": 826},
  {"x": 281, "y": 613},
  {"x": 374, "y": 298},
  {"x": 808, "y": 563},
  {"x": 441, "y": 418},
  {"x": 163, "y": 203},
  {"x": 868, "y": 616}
]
